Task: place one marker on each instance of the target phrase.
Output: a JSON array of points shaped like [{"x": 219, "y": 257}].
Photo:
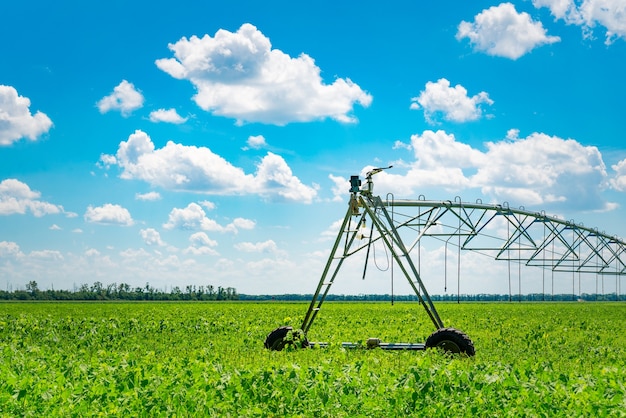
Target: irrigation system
[{"x": 498, "y": 231}]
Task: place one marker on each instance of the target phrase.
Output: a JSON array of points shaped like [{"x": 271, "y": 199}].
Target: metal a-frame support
[
  {"x": 374, "y": 209},
  {"x": 363, "y": 205}
]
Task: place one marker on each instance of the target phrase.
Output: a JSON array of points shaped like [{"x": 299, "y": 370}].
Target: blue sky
[{"x": 200, "y": 143}]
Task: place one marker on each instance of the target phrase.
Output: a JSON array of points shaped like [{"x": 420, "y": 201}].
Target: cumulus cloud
[
  {"x": 151, "y": 237},
  {"x": 197, "y": 169},
  {"x": 17, "y": 198},
  {"x": 452, "y": 102},
  {"x": 106, "y": 161},
  {"x": 618, "y": 182},
  {"x": 587, "y": 13},
  {"x": 268, "y": 246},
  {"x": 50, "y": 255},
  {"x": 132, "y": 255},
  {"x": 332, "y": 230},
  {"x": 193, "y": 217},
  {"x": 150, "y": 196},
  {"x": 208, "y": 205},
  {"x": 274, "y": 178},
  {"x": 109, "y": 214},
  {"x": 542, "y": 169},
  {"x": 9, "y": 249},
  {"x": 16, "y": 121},
  {"x": 256, "y": 141},
  {"x": 201, "y": 244},
  {"x": 440, "y": 161},
  {"x": 201, "y": 251},
  {"x": 239, "y": 75},
  {"x": 340, "y": 187},
  {"x": 125, "y": 98},
  {"x": 199, "y": 239},
  {"x": 502, "y": 31},
  {"x": 537, "y": 170},
  {"x": 31, "y": 263},
  {"x": 92, "y": 252},
  {"x": 167, "y": 115}
]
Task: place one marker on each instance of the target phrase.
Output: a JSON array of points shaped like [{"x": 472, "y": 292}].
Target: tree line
[
  {"x": 483, "y": 297},
  {"x": 122, "y": 291}
]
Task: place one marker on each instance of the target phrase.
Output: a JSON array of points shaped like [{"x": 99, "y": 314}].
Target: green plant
[{"x": 165, "y": 359}]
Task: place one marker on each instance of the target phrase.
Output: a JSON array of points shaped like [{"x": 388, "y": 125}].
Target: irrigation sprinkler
[{"x": 525, "y": 237}]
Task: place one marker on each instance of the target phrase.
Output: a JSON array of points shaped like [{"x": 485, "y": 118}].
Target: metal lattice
[{"x": 501, "y": 232}]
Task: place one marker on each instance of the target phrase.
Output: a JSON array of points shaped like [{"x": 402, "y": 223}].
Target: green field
[{"x": 207, "y": 359}]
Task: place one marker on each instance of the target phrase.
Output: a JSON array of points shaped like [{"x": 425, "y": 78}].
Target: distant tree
[
  {"x": 97, "y": 290},
  {"x": 111, "y": 291},
  {"x": 32, "y": 288}
]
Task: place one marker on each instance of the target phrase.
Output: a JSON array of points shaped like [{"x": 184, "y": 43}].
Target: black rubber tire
[
  {"x": 276, "y": 339},
  {"x": 451, "y": 340}
]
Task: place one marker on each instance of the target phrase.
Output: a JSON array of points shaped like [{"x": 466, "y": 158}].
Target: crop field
[{"x": 207, "y": 359}]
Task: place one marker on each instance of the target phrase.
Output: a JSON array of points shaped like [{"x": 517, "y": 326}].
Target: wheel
[
  {"x": 284, "y": 336},
  {"x": 451, "y": 340},
  {"x": 276, "y": 339}
]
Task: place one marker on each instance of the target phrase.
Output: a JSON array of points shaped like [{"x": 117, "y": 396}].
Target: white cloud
[
  {"x": 436, "y": 149},
  {"x": 124, "y": 98},
  {"x": 198, "y": 169},
  {"x": 256, "y": 141},
  {"x": 332, "y": 230},
  {"x": 542, "y": 169},
  {"x": 150, "y": 196},
  {"x": 340, "y": 188},
  {"x": 274, "y": 179},
  {"x": 92, "y": 252},
  {"x": 151, "y": 237},
  {"x": 17, "y": 198},
  {"x": 16, "y": 121},
  {"x": 55, "y": 227},
  {"x": 242, "y": 223},
  {"x": 268, "y": 246},
  {"x": 109, "y": 214},
  {"x": 618, "y": 182},
  {"x": 131, "y": 255},
  {"x": 536, "y": 170},
  {"x": 587, "y": 13},
  {"x": 440, "y": 162},
  {"x": 199, "y": 239},
  {"x": 452, "y": 102},
  {"x": 200, "y": 251},
  {"x": 106, "y": 161},
  {"x": 10, "y": 249},
  {"x": 502, "y": 31},
  {"x": 50, "y": 255},
  {"x": 167, "y": 115},
  {"x": 193, "y": 217},
  {"x": 208, "y": 205},
  {"x": 239, "y": 75},
  {"x": 201, "y": 244}
]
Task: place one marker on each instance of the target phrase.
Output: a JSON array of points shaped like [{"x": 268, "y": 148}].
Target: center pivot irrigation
[{"x": 529, "y": 238}]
